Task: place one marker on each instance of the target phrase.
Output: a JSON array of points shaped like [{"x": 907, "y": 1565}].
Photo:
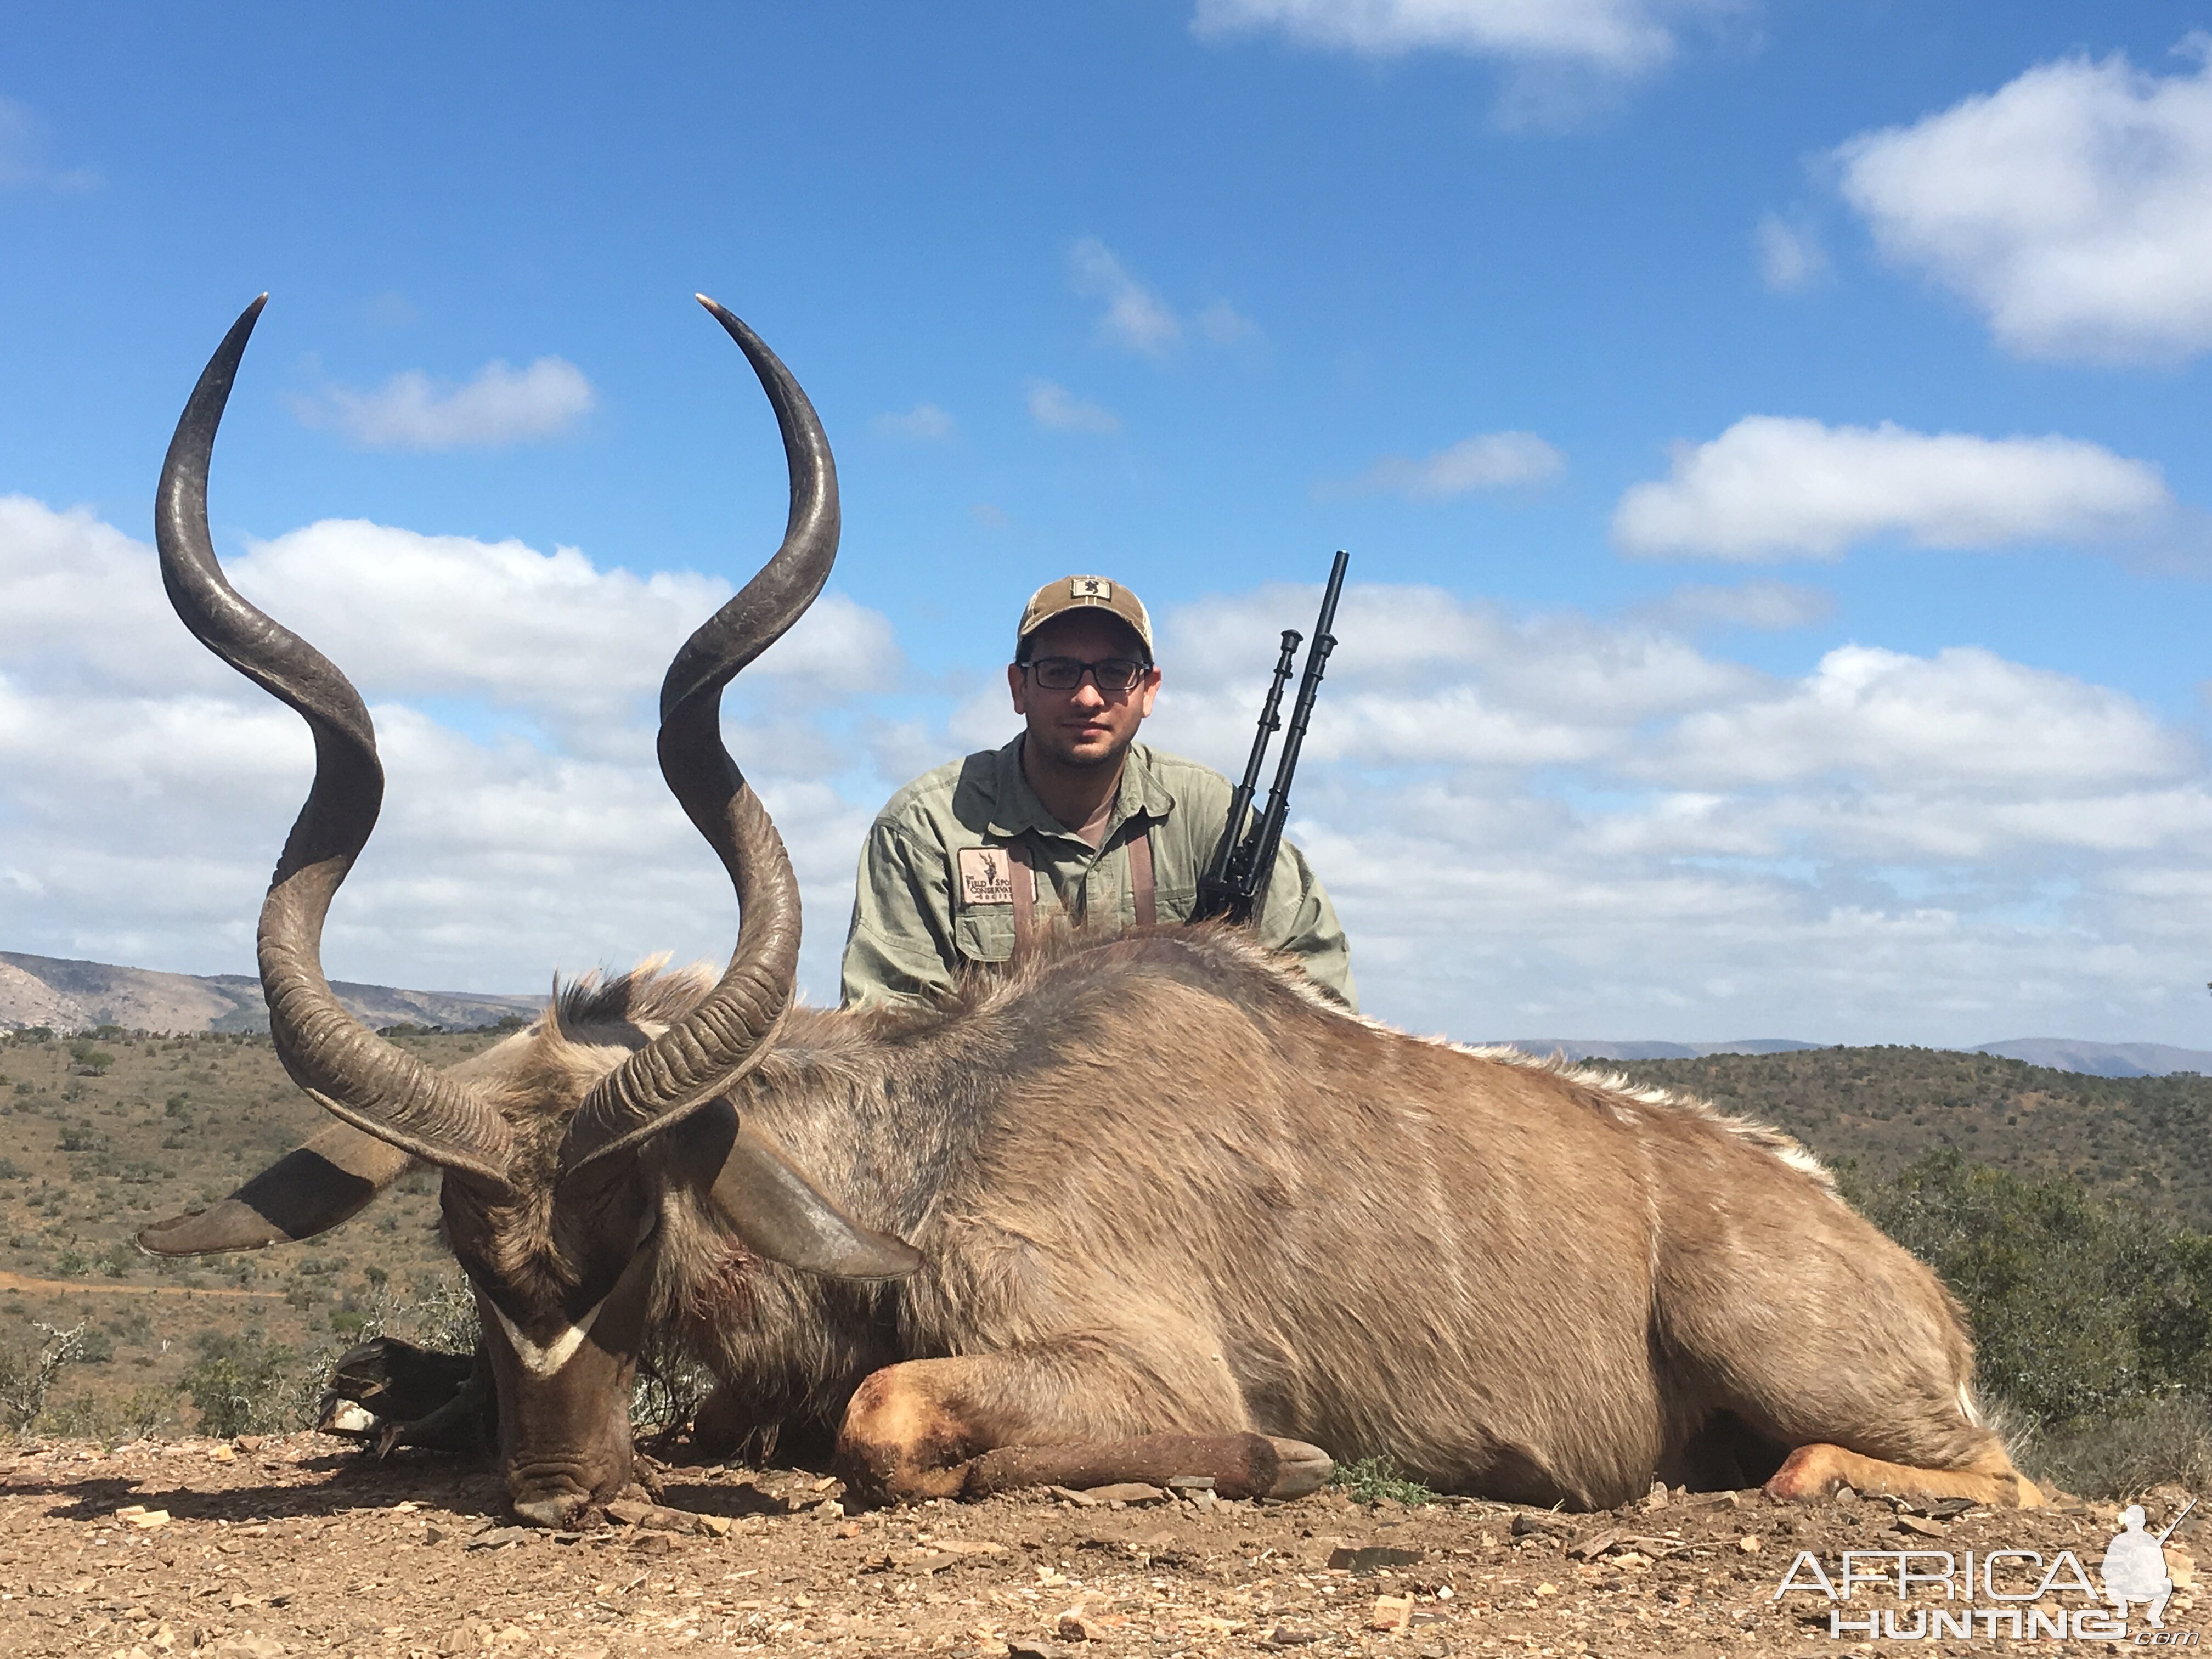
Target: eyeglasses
[{"x": 1113, "y": 675}]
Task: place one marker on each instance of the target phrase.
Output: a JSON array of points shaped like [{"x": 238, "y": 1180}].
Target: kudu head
[{"x": 558, "y": 1152}]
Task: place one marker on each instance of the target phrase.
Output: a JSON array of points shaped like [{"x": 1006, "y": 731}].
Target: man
[{"x": 1073, "y": 818}]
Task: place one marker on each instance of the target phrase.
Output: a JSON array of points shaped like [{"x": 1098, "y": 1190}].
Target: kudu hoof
[{"x": 1300, "y": 1469}]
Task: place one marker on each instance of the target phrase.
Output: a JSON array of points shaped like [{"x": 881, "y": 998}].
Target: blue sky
[{"x": 1766, "y": 436}]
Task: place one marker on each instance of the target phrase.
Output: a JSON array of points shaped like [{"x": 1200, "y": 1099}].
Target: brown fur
[{"x": 1161, "y": 1186}]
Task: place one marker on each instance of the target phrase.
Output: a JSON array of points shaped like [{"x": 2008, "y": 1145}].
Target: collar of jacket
[{"x": 1015, "y": 806}]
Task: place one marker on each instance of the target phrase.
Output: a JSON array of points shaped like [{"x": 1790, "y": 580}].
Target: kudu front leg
[{"x": 1077, "y": 1416}]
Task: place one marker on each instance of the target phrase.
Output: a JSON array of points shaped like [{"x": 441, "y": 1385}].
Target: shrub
[
  {"x": 243, "y": 1383},
  {"x": 26, "y": 1376},
  {"x": 1377, "y": 1480},
  {"x": 91, "y": 1059},
  {"x": 2086, "y": 1310}
]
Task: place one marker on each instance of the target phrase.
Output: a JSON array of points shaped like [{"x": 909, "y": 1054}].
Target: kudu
[{"x": 1169, "y": 1210}]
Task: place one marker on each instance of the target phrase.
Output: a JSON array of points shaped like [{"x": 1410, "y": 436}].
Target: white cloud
[
  {"x": 1771, "y": 605},
  {"x": 1620, "y": 37},
  {"x": 2073, "y": 206},
  {"x": 924, "y": 423},
  {"x": 1790, "y": 255},
  {"x": 1489, "y": 460},
  {"x": 1223, "y": 324},
  {"x": 1771, "y": 488},
  {"x": 144, "y": 788},
  {"x": 1563, "y": 822},
  {"x": 25, "y": 162},
  {"x": 1135, "y": 316},
  {"x": 1057, "y": 410},
  {"x": 498, "y": 405},
  {"x": 1964, "y": 716}
]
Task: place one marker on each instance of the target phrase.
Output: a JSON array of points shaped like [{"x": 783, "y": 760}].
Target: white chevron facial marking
[{"x": 545, "y": 1361}]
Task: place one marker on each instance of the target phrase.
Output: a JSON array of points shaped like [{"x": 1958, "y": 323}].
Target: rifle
[
  {"x": 2177, "y": 1521},
  {"x": 1236, "y": 880}
]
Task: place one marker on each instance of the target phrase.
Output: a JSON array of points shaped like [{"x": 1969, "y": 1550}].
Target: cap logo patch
[
  {"x": 1091, "y": 587},
  {"x": 986, "y": 876}
]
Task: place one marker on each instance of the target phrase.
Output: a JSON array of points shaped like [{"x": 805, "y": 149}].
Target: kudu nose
[{"x": 555, "y": 1512}]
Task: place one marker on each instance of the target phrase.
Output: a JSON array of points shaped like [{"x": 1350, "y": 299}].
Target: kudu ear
[
  {"x": 304, "y": 1193},
  {"x": 777, "y": 1213}
]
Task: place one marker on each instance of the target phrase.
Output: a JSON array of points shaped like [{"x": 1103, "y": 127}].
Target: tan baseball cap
[{"x": 1068, "y": 593}]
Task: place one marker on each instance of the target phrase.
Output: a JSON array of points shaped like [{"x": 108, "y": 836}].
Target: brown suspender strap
[
  {"x": 1142, "y": 890},
  {"x": 1140, "y": 878},
  {"x": 1024, "y": 886}
]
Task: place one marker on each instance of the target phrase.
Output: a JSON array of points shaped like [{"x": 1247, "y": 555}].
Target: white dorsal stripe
[{"x": 544, "y": 1362}]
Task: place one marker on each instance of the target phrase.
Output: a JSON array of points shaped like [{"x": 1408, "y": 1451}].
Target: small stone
[
  {"x": 651, "y": 1543},
  {"x": 830, "y": 1509},
  {"x": 433, "y": 1535},
  {"x": 969, "y": 1546},
  {"x": 1283, "y": 1636},
  {"x": 1590, "y": 1548},
  {"x": 1073, "y": 1626},
  {"x": 1656, "y": 1497},
  {"x": 1371, "y": 1559},
  {"x": 249, "y": 1443},
  {"x": 1191, "y": 1482},
  {"x": 223, "y": 1454},
  {"x": 1750, "y": 1543},
  {"x": 1921, "y": 1526},
  {"x": 146, "y": 1520},
  {"x": 629, "y": 1511},
  {"x": 850, "y": 1530},
  {"x": 1021, "y": 1650},
  {"x": 500, "y": 1538},
  {"x": 1391, "y": 1613},
  {"x": 1069, "y": 1495},
  {"x": 1845, "y": 1495},
  {"x": 1125, "y": 1491},
  {"x": 719, "y": 1525},
  {"x": 1548, "y": 1589}
]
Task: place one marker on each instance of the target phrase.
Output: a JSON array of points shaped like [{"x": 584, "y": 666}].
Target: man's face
[{"x": 1085, "y": 727}]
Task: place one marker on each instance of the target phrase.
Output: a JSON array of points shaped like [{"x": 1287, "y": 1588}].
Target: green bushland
[{"x": 2092, "y": 1316}]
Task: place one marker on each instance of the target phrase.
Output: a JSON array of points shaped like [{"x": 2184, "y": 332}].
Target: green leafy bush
[
  {"x": 2084, "y": 1309},
  {"x": 1379, "y": 1481},
  {"x": 243, "y": 1383}
]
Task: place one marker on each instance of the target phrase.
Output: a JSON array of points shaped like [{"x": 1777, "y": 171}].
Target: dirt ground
[{"x": 301, "y": 1544}]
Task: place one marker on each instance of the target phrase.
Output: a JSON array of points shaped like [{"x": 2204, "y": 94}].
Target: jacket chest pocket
[{"x": 985, "y": 933}]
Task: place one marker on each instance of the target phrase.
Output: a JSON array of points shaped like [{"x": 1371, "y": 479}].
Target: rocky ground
[{"x": 301, "y": 1544}]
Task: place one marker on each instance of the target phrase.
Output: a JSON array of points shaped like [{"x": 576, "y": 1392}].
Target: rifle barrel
[
  {"x": 1218, "y": 887},
  {"x": 2177, "y": 1521},
  {"x": 1269, "y": 831}
]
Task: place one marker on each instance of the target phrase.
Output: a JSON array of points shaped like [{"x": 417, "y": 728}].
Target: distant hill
[
  {"x": 2059, "y": 1053},
  {"x": 77, "y": 996},
  {"x": 2148, "y": 1137},
  {"x": 2103, "y": 1059},
  {"x": 1580, "y": 1048}
]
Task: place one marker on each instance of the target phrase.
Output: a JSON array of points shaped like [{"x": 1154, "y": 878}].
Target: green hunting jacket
[{"x": 913, "y": 929}]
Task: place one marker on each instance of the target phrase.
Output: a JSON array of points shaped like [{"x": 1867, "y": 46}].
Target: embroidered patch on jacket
[
  {"x": 986, "y": 876},
  {"x": 1091, "y": 587}
]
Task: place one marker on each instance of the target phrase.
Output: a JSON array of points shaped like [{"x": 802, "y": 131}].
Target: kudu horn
[
  {"x": 346, "y": 1067},
  {"x": 698, "y": 1058}
]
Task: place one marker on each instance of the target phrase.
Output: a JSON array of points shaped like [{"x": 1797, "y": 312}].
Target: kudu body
[{"x": 1166, "y": 1210}]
